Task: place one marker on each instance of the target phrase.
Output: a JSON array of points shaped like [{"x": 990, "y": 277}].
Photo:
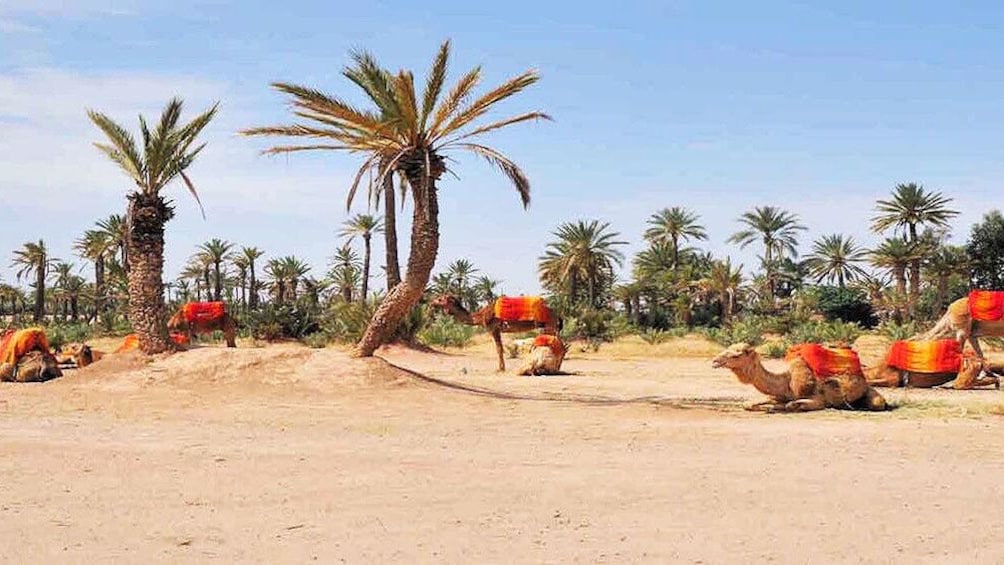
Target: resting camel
[
  {"x": 539, "y": 316},
  {"x": 194, "y": 318},
  {"x": 25, "y": 357},
  {"x": 77, "y": 354},
  {"x": 906, "y": 364},
  {"x": 960, "y": 323},
  {"x": 797, "y": 389},
  {"x": 545, "y": 358}
]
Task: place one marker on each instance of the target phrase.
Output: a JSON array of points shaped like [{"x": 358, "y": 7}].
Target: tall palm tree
[
  {"x": 165, "y": 153},
  {"x": 585, "y": 254},
  {"x": 412, "y": 135},
  {"x": 485, "y": 289},
  {"x": 33, "y": 260},
  {"x": 95, "y": 246},
  {"x": 945, "y": 262},
  {"x": 296, "y": 269},
  {"x": 252, "y": 254},
  {"x": 363, "y": 225},
  {"x": 345, "y": 271},
  {"x": 777, "y": 230},
  {"x": 62, "y": 272},
  {"x": 671, "y": 225},
  {"x": 909, "y": 208},
  {"x": 895, "y": 255},
  {"x": 723, "y": 282},
  {"x": 461, "y": 272},
  {"x": 278, "y": 271},
  {"x": 241, "y": 263},
  {"x": 835, "y": 257},
  {"x": 195, "y": 271},
  {"x": 216, "y": 251}
]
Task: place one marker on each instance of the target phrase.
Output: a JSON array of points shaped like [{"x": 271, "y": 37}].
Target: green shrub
[
  {"x": 896, "y": 331},
  {"x": 845, "y": 304},
  {"x": 62, "y": 333},
  {"x": 292, "y": 321},
  {"x": 346, "y": 322},
  {"x": 824, "y": 332},
  {"x": 653, "y": 336},
  {"x": 775, "y": 349},
  {"x": 743, "y": 331},
  {"x": 446, "y": 332},
  {"x": 316, "y": 340}
]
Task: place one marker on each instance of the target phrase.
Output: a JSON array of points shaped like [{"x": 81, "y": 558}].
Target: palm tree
[
  {"x": 835, "y": 257},
  {"x": 117, "y": 230},
  {"x": 216, "y": 251},
  {"x": 485, "y": 289},
  {"x": 362, "y": 225},
  {"x": 252, "y": 254},
  {"x": 195, "y": 271},
  {"x": 461, "y": 273},
  {"x": 344, "y": 271},
  {"x": 63, "y": 272},
  {"x": 96, "y": 245},
  {"x": 412, "y": 136},
  {"x": 895, "y": 255},
  {"x": 166, "y": 152},
  {"x": 240, "y": 263},
  {"x": 910, "y": 207},
  {"x": 945, "y": 262},
  {"x": 670, "y": 225},
  {"x": 585, "y": 253},
  {"x": 278, "y": 271},
  {"x": 723, "y": 282},
  {"x": 33, "y": 260},
  {"x": 776, "y": 229},
  {"x": 296, "y": 269}
]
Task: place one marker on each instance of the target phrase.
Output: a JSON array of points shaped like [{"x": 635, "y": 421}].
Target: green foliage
[
  {"x": 653, "y": 336},
  {"x": 749, "y": 331},
  {"x": 824, "y": 332},
  {"x": 346, "y": 322},
  {"x": 283, "y": 321},
  {"x": 60, "y": 334},
  {"x": 897, "y": 331},
  {"x": 775, "y": 349},
  {"x": 596, "y": 324},
  {"x": 316, "y": 340},
  {"x": 447, "y": 332},
  {"x": 845, "y": 304},
  {"x": 986, "y": 240}
]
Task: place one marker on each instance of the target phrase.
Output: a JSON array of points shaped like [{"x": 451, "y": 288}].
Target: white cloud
[
  {"x": 71, "y": 8},
  {"x": 10, "y": 26}
]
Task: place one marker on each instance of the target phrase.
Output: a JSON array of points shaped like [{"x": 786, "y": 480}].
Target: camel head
[
  {"x": 736, "y": 356},
  {"x": 446, "y": 302},
  {"x": 79, "y": 354}
]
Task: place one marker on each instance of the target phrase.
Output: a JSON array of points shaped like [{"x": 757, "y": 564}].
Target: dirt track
[{"x": 283, "y": 454}]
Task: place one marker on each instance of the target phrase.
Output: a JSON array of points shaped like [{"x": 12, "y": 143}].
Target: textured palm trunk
[
  {"x": 147, "y": 313},
  {"x": 253, "y": 301},
  {"x": 421, "y": 258},
  {"x": 39, "y": 312},
  {"x": 218, "y": 293},
  {"x": 366, "y": 267},
  {"x": 390, "y": 231}
]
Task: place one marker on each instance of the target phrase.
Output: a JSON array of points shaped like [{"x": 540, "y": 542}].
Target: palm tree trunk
[
  {"x": 421, "y": 259},
  {"x": 147, "y": 313},
  {"x": 366, "y": 266},
  {"x": 39, "y": 292},
  {"x": 74, "y": 308},
  {"x": 218, "y": 294},
  {"x": 253, "y": 301},
  {"x": 390, "y": 231}
]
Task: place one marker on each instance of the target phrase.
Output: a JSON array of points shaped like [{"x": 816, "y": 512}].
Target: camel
[
  {"x": 194, "y": 318},
  {"x": 540, "y": 317},
  {"x": 77, "y": 355},
  {"x": 797, "y": 389},
  {"x": 959, "y": 323},
  {"x": 899, "y": 368},
  {"x": 25, "y": 357},
  {"x": 545, "y": 358}
]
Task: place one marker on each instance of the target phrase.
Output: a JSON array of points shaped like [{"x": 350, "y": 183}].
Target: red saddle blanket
[
  {"x": 935, "y": 356},
  {"x": 203, "y": 311},
  {"x": 826, "y": 361},
  {"x": 131, "y": 341},
  {"x": 523, "y": 309},
  {"x": 986, "y": 305},
  {"x": 15, "y": 343},
  {"x": 550, "y": 341}
]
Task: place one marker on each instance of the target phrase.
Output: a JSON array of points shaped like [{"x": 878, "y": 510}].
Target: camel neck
[
  {"x": 461, "y": 314},
  {"x": 767, "y": 382}
]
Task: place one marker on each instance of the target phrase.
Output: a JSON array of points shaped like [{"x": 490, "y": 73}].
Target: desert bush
[
  {"x": 62, "y": 333},
  {"x": 282, "y": 321},
  {"x": 346, "y": 322},
  {"x": 316, "y": 340},
  {"x": 749, "y": 330},
  {"x": 654, "y": 336},
  {"x": 775, "y": 349},
  {"x": 845, "y": 304},
  {"x": 824, "y": 332},
  {"x": 897, "y": 331},
  {"x": 446, "y": 332}
]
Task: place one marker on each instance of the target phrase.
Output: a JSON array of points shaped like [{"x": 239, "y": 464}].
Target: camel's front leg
[
  {"x": 771, "y": 405},
  {"x": 806, "y": 404},
  {"x": 497, "y": 336}
]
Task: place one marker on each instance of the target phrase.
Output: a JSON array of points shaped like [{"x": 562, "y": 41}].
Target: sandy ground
[{"x": 285, "y": 454}]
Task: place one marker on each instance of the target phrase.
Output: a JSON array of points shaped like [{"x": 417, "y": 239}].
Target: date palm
[
  {"x": 671, "y": 225},
  {"x": 117, "y": 230},
  {"x": 911, "y": 207},
  {"x": 345, "y": 271},
  {"x": 240, "y": 263},
  {"x": 723, "y": 282},
  {"x": 96, "y": 245},
  {"x": 215, "y": 252},
  {"x": 835, "y": 258},
  {"x": 410, "y": 135},
  {"x": 363, "y": 225},
  {"x": 777, "y": 230},
  {"x": 584, "y": 254},
  {"x": 33, "y": 260},
  {"x": 895, "y": 255},
  {"x": 252, "y": 254},
  {"x": 945, "y": 262},
  {"x": 163, "y": 155}
]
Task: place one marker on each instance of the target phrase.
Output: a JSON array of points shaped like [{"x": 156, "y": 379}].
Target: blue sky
[{"x": 714, "y": 106}]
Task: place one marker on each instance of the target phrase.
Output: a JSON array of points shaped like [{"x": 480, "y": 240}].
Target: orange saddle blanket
[
  {"x": 523, "y": 309},
  {"x": 15, "y": 343},
  {"x": 986, "y": 305},
  {"x": 203, "y": 311},
  {"x": 550, "y": 341},
  {"x": 936, "y": 356},
  {"x": 826, "y": 361},
  {"x": 132, "y": 341}
]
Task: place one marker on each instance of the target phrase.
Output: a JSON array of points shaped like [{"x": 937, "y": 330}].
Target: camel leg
[
  {"x": 872, "y": 401},
  {"x": 772, "y": 405},
  {"x": 970, "y": 378},
  {"x": 497, "y": 336},
  {"x": 806, "y": 404},
  {"x": 230, "y": 332}
]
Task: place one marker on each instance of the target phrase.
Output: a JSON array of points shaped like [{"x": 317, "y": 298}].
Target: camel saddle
[
  {"x": 826, "y": 361},
  {"x": 552, "y": 342},
  {"x": 986, "y": 305},
  {"x": 14, "y": 344},
  {"x": 195, "y": 312},
  {"x": 523, "y": 309},
  {"x": 934, "y": 356}
]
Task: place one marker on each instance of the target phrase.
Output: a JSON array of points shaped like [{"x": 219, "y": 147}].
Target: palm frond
[
  {"x": 500, "y": 124},
  {"x": 434, "y": 83},
  {"x": 481, "y": 105},
  {"x": 506, "y": 165},
  {"x": 454, "y": 100},
  {"x": 123, "y": 142}
]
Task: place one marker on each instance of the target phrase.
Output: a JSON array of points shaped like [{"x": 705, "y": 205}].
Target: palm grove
[{"x": 403, "y": 140}]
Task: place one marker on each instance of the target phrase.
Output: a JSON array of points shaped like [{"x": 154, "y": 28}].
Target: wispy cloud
[
  {"x": 12, "y": 26},
  {"x": 74, "y": 8}
]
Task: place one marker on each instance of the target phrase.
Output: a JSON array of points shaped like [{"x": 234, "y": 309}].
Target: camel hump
[
  {"x": 986, "y": 305},
  {"x": 203, "y": 311},
  {"x": 930, "y": 356},
  {"x": 15, "y": 344}
]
